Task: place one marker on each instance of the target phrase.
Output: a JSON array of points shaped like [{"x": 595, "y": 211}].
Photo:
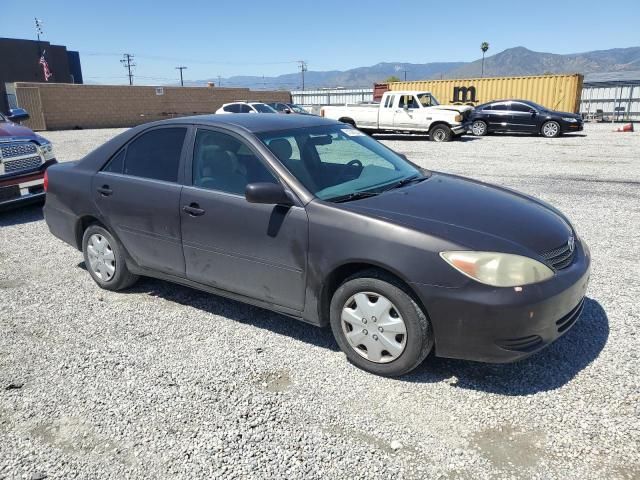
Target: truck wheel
[
  {"x": 479, "y": 128},
  {"x": 440, "y": 133},
  {"x": 105, "y": 260},
  {"x": 378, "y": 324},
  {"x": 348, "y": 121}
]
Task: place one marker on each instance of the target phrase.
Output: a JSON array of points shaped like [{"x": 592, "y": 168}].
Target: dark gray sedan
[{"x": 311, "y": 218}]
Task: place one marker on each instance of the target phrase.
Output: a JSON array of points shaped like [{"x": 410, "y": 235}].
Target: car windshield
[
  {"x": 427, "y": 100},
  {"x": 338, "y": 162},
  {"x": 262, "y": 108},
  {"x": 536, "y": 106},
  {"x": 297, "y": 108}
]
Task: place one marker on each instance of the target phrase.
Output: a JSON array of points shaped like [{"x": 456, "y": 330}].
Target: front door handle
[
  {"x": 105, "y": 190},
  {"x": 193, "y": 209}
]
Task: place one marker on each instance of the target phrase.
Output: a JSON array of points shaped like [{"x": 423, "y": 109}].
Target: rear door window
[
  {"x": 520, "y": 107},
  {"x": 245, "y": 108},
  {"x": 155, "y": 154}
]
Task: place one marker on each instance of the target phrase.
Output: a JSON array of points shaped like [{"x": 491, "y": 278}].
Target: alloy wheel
[
  {"x": 374, "y": 327},
  {"x": 550, "y": 129},
  {"x": 479, "y": 128}
]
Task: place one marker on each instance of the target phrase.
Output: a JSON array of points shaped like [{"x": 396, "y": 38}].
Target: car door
[
  {"x": 255, "y": 250},
  {"x": 499, "y": 117},
  {"x": 138, "y": 195},
  {"x": 407, "y": 115},
  {"x": 386, "y": 113},
  {"x": 523, "y": 118}
]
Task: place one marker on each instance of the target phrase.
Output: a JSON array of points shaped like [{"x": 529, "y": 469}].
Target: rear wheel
[
  {"x": 379, "y": 326},
  {"x": 440, "y": 133},
  {"x": 479, "y": 128},
  {"x": 105, "y": 260},
  {"x": 550, "y": 129}
]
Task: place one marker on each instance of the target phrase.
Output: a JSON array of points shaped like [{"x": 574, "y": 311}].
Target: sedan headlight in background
[
  {"x": 570, "y": 119},
  {"x": 498, "y": 269},
  {"x": 46, "y": 149}
]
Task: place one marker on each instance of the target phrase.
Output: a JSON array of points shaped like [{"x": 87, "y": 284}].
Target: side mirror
[
  {"x": 269, "y": 193},
  {"x": 287, "y": 110},
  {"x": 533, "y": 112},
  {"x": 405, "y": 107},
  {"x": 18, "y": 114}
]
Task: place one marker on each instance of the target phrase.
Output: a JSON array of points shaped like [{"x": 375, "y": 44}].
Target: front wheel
[
  {"x": 479, "y": 128},
  {"x": 550, "y": 129},
  {"x": 379, "y": 326},
  {"x": 440, "y": 133}
]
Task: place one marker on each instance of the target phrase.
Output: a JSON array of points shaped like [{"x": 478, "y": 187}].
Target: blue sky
[{"x": 266, "y": 37}]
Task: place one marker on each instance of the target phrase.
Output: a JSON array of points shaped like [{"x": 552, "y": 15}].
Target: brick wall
[{"x": 68, "y": 106}]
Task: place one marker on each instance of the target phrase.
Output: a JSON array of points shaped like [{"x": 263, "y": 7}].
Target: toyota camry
[{"x": 312, "y": 218}]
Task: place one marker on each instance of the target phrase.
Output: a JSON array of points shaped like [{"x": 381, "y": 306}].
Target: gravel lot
[{"x": 166, "y": 382}]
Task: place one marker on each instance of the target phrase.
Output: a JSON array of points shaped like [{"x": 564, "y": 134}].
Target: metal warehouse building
[{"x": 613, "y": 96}]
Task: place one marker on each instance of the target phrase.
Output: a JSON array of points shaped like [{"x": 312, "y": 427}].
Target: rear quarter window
[{"x": 155, "y": 154}]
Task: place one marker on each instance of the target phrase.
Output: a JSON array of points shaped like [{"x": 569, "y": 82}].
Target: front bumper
[
  {"x": 24, "y": 188},
  {"x": 462, "y": 128},
  {"x": 499, "y": 325},
  {"x": 573, "y": 127}
]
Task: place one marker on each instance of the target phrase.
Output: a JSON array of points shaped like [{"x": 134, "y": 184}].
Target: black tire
[
  {"x": 348, "y": 121},
  {"x": 419, "y": 336},
  {"x": 550, "y": 129},
  {"x": 122, "y": 278},
  {"x": 479, "y": 128},
  {"x": 440, "y": 133}
]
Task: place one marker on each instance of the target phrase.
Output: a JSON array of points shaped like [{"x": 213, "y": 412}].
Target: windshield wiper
[
  {"x": 352, "y": 196},
  {"x": 406, "y": 181}
]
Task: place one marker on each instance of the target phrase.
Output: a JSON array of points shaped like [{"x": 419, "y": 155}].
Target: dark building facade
[{"x": 19, "y": 62}]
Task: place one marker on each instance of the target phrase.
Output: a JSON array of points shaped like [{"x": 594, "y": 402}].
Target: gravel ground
[{"x": 163, "y": 381}]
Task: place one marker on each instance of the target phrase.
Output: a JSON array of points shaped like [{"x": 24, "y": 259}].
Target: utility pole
[
  {"x": 219, "y": 81},
  {"x": 39, "y": 32},
  {"x": 127, "y": 63},
  {"x": 405, "y": 75},
  {"x": 181, "y": 81},
  {"x": 303, "y": 68}
]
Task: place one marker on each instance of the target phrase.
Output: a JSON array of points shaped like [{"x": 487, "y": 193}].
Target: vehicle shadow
[
  {"x": 549, "y": 369},
  {"x": 532, "y": 135},
  {"x": 21, "y": 215},
  {"x": 418, "y": 138}
]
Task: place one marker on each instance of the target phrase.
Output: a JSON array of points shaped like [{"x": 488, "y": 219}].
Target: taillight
[
  {"x": 46, "y": 180},
  {"x": 322, "y": 112}
]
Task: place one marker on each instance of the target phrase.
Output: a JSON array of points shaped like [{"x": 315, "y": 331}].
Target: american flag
[{"x": 45, "y": 68}]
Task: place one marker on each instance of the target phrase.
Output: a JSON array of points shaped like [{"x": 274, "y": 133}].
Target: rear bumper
[
  {"x": 23, "y": 189},
  {"x": 500, "y": 325}
]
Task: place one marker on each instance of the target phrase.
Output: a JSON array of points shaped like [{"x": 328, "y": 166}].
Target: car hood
[
  {"x": 567, "y": 114},
  {"x": 471, "y": 214},
  {"x": 453, "y": 108},
  {"x": 9, "y": 129}
]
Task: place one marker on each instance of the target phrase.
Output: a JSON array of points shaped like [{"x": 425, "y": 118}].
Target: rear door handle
[
  {"x": 193, "y": 209},
  {"x": 105, "y": 190}
]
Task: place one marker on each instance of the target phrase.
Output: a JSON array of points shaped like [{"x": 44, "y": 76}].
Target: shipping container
[{"x": 557, "y": 92}]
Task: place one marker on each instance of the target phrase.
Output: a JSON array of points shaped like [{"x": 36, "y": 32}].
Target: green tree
[{"x": 392, "y": 78}]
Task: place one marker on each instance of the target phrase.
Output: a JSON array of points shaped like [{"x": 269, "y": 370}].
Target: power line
[
  {"x": 126, "y": 62},
  {"x": 181, "y": 69}
]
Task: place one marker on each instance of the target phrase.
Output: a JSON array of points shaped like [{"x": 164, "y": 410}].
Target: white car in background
[{"x": 246, "y": 107}]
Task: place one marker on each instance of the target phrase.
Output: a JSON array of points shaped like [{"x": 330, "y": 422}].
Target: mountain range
[{"x": 513, "y": 61}]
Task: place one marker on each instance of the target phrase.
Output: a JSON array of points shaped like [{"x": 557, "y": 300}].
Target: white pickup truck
[{"x": 405, "y": 111}]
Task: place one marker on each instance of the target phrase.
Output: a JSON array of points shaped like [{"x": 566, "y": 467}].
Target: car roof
[{"x": 255, "y": 122}]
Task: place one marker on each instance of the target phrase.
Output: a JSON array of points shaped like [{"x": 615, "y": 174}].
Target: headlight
[
  {"x": 569, "y": 119},
  {"x": 498, "y": 269},
  {"x": 47, "y": 151}
]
